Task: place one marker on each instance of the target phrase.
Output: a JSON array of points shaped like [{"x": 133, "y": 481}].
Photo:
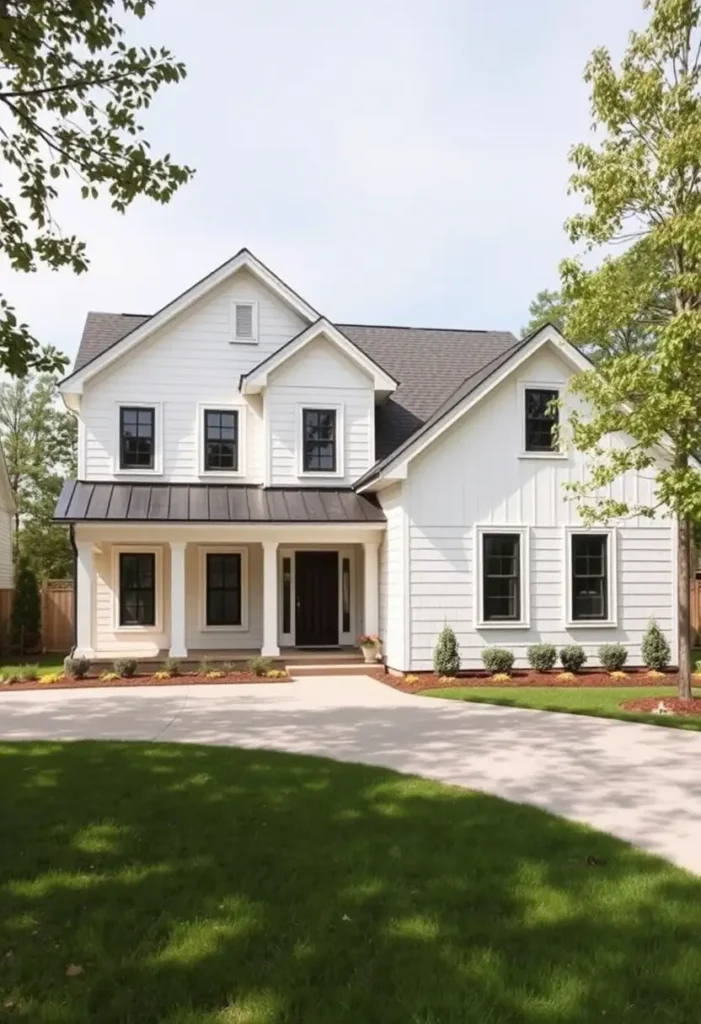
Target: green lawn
[
  {"x": 48, "y": 664},
  {"x": 193, "y": 885},
  {"x": 597, "y": 701}
]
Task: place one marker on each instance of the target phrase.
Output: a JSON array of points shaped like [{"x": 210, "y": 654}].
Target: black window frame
[
  {"x": 218, "y": 594},
  {"x": 591, "y": 587},
  {"x": 207, "y": 441},
  {"x": 145, "y": 412},
  {"x": 538, "y": 424},
  {"x": 311, "y": 445},
  {"x": 140, "y": 594},
  {"x": 497, "y": 585}
]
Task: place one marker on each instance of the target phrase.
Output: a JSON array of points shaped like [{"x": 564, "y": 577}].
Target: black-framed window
[
  {"x": 501, "y": 577},
  {"x": 224, "y": 598},
  {"x": 590, "y": 577},
  {"x": 541, "y": 420},
  {"x": 137, "y": 588},
  {"x": 319, "y": 440},
  {"x": 221, "y": 440},
  {"x": 137, "y": 437}
]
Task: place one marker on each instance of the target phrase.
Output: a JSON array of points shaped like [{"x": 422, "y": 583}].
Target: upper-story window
[
  {"x": 244, "y": 321},
  {"x": 137, "y": 437},
  {"x": 541, "y": 419},
  {"x": 319, "y": 441},
  {"x": 221, "y": 440}
]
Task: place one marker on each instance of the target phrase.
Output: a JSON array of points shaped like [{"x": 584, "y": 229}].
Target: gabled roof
[
  {"x": 257, "y": 378},
  {"x": 115, "y": 347}
]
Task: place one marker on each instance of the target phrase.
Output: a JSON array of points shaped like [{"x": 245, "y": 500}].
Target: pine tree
[
  {"x": 446, "y": 656},
  {"x": 25, "y": 621}
]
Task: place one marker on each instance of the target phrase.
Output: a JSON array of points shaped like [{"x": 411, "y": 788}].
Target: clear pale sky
[{"x": 395, "y": 162}]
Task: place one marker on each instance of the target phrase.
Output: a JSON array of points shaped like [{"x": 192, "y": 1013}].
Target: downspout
[{"x": 75, "y": 588}]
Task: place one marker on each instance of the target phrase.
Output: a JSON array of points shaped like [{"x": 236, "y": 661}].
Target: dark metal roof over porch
[{"x": 80, "y": 501}]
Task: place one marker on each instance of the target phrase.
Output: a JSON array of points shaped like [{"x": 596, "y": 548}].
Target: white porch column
[
  {"x": 371, "y": 576},
  {"x": 84, "y": 599},
  {"x": 178, "y": 647},
  {"x": 270, "y": 647}
]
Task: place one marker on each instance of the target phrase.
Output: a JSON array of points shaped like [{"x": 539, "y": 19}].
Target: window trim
[
  {"x": 343, "y": 551},
  {"x": 222, "y": 549},
  {"x": 220, "y": 474},
  {"x": 612, "y": 574},
  {"x": 234, "y": 338},
  {"x": 536, "y": 385},
  {"x": 157, "y": 469},
  {"x": 158, "y": 594},
  {"x": 524, "y": 573},
  {"x": 314, "y": 474}
]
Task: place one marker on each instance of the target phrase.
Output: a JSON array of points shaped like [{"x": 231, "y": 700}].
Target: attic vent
[{"x": 244, "y": 321}]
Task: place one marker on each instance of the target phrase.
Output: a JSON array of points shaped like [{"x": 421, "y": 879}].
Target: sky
[{"x": 393, "y": 161}]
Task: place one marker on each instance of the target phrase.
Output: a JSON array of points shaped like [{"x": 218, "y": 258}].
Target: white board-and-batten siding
[{"x": 474, "y": 475}]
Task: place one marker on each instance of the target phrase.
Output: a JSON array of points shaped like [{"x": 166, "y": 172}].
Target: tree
[
  {"x": 446, "y": 656},
  {"x": 548, "y": 307},
  {"x": 641, "y": 188},
  {"x": 71, "y": 90},
  {"x": 25, "y": 620},
  {"x": 39, "y": 441}
]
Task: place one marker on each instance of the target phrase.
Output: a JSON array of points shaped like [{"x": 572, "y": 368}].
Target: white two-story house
[{"x": 255, "y": 478}]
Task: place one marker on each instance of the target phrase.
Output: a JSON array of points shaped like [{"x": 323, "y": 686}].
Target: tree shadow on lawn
[{"x": 209, "y": 886}]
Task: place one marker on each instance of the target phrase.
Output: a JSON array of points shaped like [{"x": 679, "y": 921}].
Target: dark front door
[{"x": 316, "y": 586}]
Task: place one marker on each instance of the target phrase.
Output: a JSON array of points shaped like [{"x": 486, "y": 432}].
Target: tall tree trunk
[{"x": 684, "y": 605}]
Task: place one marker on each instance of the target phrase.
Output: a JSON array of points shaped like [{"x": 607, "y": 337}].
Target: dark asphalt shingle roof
[
  {"x": 211, "y": 503},
  {"x": 102, "y": 330}
]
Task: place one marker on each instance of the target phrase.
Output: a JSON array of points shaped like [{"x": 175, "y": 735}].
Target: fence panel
[{"x": 57, "y": 615}]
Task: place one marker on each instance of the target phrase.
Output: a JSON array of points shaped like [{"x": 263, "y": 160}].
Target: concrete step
[
  {"x": 325, "y": 657},
  {"x": 332, "y": 669}
]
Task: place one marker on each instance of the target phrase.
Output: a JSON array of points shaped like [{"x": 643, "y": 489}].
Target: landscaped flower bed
[
  {"x": 212, "y": 677},
  {"x": 671, "y": 705},
  {"x": 413, "y": 683}
]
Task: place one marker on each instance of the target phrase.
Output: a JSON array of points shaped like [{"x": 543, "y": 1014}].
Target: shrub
[
  {"x": 29, "y": 673},
  {"x": 173, "y": 667},
  {"x": 214, "y": 673},
  {"x": 161, "y": 675},
  {"x": 565, "y": 677},
  {"x": 572, "y": 657},
  {"x": 542, "y": 657},
  {"x": 204, "y": 667},
  {"x": 501, "y": 677},
  {"x": 655, "y": 648},
  {"x": 276, "y": 673},
  {"x": 497, "y": 660},
  {"x": 259, "y": 666},
  {"x": 109, "y": 677},
  {"x": 411, "y": 678},
  {"x": 52, "y": 677},
  {"x": 126, "y": 667},
  {"x": 618, "y": 675},
  {"x": 76, "y": 668},
  {"x": 446, "y": 656},
  {"x": 613, "y": 657},
  {"x": 25, "y": 619}
]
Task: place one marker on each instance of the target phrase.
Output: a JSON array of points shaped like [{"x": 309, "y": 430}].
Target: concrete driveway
[{"x": 639, "y": 782}]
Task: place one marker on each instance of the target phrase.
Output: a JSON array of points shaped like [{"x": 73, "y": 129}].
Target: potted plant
[{"x": 370, "y": 646}]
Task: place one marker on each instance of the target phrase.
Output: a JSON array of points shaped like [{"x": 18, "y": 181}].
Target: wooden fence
[{"x": 56, "y": 616}]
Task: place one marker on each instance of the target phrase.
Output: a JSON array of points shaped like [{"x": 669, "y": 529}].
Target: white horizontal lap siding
[
  {"x": 393, "y": 582},
  {"x": 111, "y": 642},
  {"x": 6, "y": 570},
  {"x": 199, "y": 638},
  {"x": 189, "y": 363},
  {"x": 473, "y": 476}
]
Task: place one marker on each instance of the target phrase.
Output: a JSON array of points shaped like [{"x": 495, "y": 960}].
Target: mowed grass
[
  {"x": 601, "y": 702},
  {"x": 185, "y": 885},
  {"x": 48, "y": 665}
]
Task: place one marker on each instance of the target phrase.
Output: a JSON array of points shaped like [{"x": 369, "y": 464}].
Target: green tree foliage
[
  {"x": 25, "y": 621},
  {"x": 39, "y": 441},
  {"x": 655, "y": 647},
  {"x": 548, "y": 307},
  {"x": 446, "y": 656},
  {"x": 71, "y": 91},
  {"x": 641, "y": 188}
]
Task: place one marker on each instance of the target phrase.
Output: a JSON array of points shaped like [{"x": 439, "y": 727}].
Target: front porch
[{"x": 224, "y": 593}]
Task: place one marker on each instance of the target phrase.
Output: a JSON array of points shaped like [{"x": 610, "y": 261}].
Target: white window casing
[
  {"x": 533, "y": 385},
  {"x": 158, "y": 595},
  {"x": 312, "y": 474},
  {"x": 244, "y": 322},
  {"x": 202, "y": 407},
  {"x": 157, "y": 469},
  {"x": 524, "y": 621},
  {"x": 611, "y": 573},
  {"x": 202, "y": 585}
]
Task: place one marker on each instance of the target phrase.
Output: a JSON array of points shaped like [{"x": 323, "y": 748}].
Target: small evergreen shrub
[
  {"x": 542, "y": 657},
  {"x": 126, "y": 667},
  {"x": 29, "y": 673},
  {"x": 572, "y": 657},
  {"x": 76, "y": 668},
  {"x": 613, "y": 657},
  {"x": 655, "y": 647},
  {"x": 204, "y": 667},
  {"x": 498, "y": 660},
  {"x": 25, "y": 619},
  {"x": 173, "y": 667},
  {"x": 446, "y": 656},
  {"x": 260, "y": 666}
]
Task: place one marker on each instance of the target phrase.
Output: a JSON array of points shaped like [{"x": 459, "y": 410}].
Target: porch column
[
  {"x": 270, "y": 647},
  {"x": 372, "y": 586},
  {"x": 84, "y": 599},
  {"x": 178, "y": 648}
]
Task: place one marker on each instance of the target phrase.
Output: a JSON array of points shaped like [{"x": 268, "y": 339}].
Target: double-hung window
[
  {"x": 541, "y": 419},
  {"x": 590, "y": 576},
  {"x": 319, "y": 441},
  {"x": 137, "y": 588},
  {"x": 137, "y": 437},
  {"x": 501, "y": 577},
  {"x": 224, "y": 596},
  {"x": 221, "y": 441}
]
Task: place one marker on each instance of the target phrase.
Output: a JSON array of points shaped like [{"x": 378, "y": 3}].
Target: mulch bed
[
  {"x": 690, "y": 708},
  {"x": 429, "y": 681},
  {"x": 94, "y": 683}
]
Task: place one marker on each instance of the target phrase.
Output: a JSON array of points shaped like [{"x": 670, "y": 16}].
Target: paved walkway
[{"x": 640, "y": 782}]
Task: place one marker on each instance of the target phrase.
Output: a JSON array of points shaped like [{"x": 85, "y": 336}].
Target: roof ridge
[{"x": 446, "y": 330}]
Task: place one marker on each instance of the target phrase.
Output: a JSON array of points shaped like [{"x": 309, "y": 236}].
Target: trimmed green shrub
[
  {"x": 655, "y": 647},
  {"x": 259, "y": 666},
  {"x": 446, "y": 654},
  {"x": 25, "y": 619},
  {"x": 498, "y": 660},
  {"x": 572, "y": 657},
  {"x": 542, "y": 657},
  {"x": 76, "y": 668},
  {"x": 173, "y": 667},
  {"x": 126, "y": 667},
  {"x": 613, "y": 657}
]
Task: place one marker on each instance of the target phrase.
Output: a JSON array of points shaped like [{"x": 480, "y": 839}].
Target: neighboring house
[
  {"x": 254, "y": 477},
  {"x": 7, "y": 519}
]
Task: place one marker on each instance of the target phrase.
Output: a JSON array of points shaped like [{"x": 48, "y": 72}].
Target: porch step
[
  {"x": 323, "y": 657},
  {"x": 332, "y": 668}
]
